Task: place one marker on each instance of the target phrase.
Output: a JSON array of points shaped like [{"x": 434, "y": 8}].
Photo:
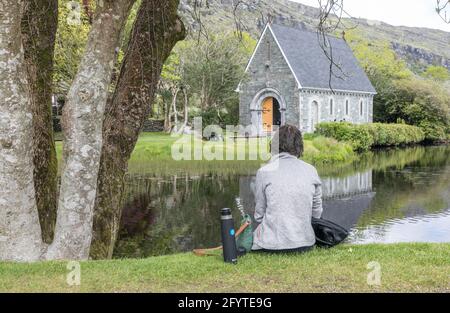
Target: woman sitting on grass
[{"x": 288, "y": 194}]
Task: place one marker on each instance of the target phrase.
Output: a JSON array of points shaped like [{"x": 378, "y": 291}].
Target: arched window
[
  {"x": 346, "y": 107},
  {"x": 331, "y": 107},
  {"x": 314, "y": 114},
  {"x": 361, "y": 108}
]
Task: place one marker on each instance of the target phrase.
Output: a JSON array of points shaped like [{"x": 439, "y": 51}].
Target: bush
[
  {"x": 359, "y": 137},
  {"x": 365, "y": 136},
  {"x": 394, "y": 134},
  {"x": 322, "y": 150},
  {"x": 433, "y": 132}
]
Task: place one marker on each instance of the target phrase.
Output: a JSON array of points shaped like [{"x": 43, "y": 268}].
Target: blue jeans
[{"x": 295, "y": 250}]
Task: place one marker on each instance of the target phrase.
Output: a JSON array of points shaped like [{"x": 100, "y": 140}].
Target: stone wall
[
  {"x": 339, "y": 112},
  {"x": 153, "y": 126},
  {"x": 57, "y": 128}
]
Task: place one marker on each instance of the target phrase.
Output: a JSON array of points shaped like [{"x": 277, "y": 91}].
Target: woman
[{"x": 288, "y": 193}]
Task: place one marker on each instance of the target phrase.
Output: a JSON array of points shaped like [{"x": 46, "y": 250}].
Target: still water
[{"x": 398, "y": 195}]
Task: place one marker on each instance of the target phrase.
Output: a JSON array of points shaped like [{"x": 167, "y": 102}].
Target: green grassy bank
[
  {"x": 153, "y": 155},
  {"x": 404, "y": 267}
]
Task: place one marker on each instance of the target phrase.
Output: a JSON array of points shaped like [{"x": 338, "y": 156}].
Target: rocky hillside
[{"x": 418, "y": 46}]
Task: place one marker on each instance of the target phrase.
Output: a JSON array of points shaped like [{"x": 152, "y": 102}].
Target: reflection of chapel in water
[
  {"x": 339, "y": 187},
  {"x": 344, "y": 198}
]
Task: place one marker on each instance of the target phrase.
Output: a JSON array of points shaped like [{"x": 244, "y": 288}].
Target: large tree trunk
[
  {"x": 82, "y": 124},
  {"x": 20, "y": 234},
  {"x": 39, "y": 25},
  {"x": 156, "y": 30}
]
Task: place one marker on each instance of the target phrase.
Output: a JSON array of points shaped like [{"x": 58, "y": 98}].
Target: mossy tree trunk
[
  {"x": 82, "y": 124},
  {"x": 39, "y": 25},
  {"x": 156, "y": 30},
  {"x": 20, "y": 234}
]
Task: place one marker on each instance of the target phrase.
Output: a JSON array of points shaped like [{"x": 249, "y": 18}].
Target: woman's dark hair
[{"x": 288, "y": 139}]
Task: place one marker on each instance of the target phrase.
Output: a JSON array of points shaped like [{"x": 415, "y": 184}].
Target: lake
[{"x": 387, "y": 196}]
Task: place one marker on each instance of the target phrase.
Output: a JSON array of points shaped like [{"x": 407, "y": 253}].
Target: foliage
[
  {"x": 382, "y": 67},
  {"x": 71, "y": 39},
  {"x": 211, "y": 69},
  {"x": 359, "y": 137},
  {"x": 129, "y": 25},
  {"x": 423, "y": 103},
  {"x": 394, "y": 134},
  {"x": 171, "y": 69},
  {"x": 365, "y": 136},
  {"x": 438, "y": 73},
  {"x": 403, "y": 96},
  {"x": 377, "y": 59},
  {"x": 322, "y": 151}
]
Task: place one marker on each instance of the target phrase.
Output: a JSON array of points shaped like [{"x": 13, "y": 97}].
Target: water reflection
[
  {"x": 342, "y": 187},
  {"x": 387, "y": 196},
  {"x": 426, "y": 228}
]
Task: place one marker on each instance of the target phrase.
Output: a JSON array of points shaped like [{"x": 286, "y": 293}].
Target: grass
[
  {"x": 404, "y": 268},
  {"x": 153, "y": 155}
]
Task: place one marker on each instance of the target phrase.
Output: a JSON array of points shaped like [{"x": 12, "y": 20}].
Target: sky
[{"x": 416, "y": 13}]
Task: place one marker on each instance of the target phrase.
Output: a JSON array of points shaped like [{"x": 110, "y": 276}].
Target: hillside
[{"x": 418, "y": 46}]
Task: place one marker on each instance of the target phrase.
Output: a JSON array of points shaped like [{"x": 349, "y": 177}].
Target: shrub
[
  {"x": 358, "y": 137},
  {"x": 433, "y": 132},
  {"x": 394, "y": 134},
  {"x": 365, "y": 136},
  {"x": 322, "y": 150}
]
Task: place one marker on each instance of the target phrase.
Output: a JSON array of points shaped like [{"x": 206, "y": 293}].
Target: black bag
[{"x": 328, "y": 234}]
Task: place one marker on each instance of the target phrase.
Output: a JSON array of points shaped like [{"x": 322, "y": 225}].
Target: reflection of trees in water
[
  {"x": 178, "y": 213},
  {"x": 377, "y": 160},
  {"x": 421, "y": 187},
  {"x": 137, "y": 215}
]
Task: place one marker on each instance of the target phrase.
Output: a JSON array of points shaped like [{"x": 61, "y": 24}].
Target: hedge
[{"x": 366, "y": 136}]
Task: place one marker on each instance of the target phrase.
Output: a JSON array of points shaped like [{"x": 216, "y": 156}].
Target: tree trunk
[
  {"x": 186, "y": 108},
  {"x": 39, "y": 25},
  {"x": 156, "y": 31},
  {"x": 203, "y": 93},
  {"x": 20, "y": 234},
  {"x": 167, "y": 117},
  {"x": 185, "y": 113},
  {"x": 82, "y": 124},
  {"x": 174, "y": 107}
]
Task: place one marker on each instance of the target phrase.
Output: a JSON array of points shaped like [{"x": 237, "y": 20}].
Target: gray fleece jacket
[{"x": 288, "y": 193}]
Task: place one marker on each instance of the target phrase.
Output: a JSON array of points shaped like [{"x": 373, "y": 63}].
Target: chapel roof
[{"x": 311, "y": 66}]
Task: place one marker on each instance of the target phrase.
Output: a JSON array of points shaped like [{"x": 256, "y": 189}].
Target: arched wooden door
[
  {"x": 267, "y": 114},
  {"x": 271, "y": 114}
]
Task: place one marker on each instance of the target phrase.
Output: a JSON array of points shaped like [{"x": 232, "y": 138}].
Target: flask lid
[
  {"x": 225, "y": 211},
  {"x": 225, "y": 214}
]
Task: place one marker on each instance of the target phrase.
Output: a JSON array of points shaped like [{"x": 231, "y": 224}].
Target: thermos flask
[{"x": 228, "y": 238}]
